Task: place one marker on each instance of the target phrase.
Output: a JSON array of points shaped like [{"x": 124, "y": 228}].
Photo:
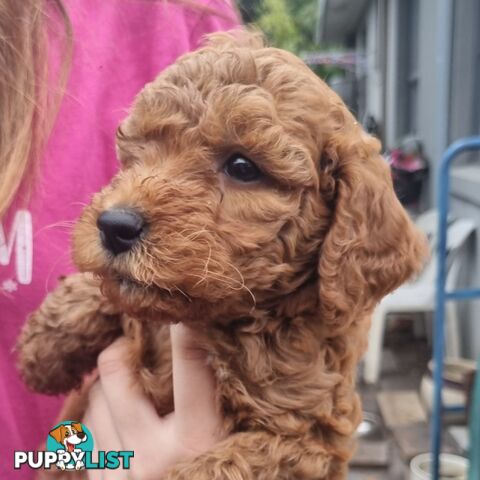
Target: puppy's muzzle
[{"x": 120, "y": 229}]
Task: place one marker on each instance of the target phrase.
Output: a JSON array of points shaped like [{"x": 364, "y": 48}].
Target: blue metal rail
[{"x": 442, "y": 296}]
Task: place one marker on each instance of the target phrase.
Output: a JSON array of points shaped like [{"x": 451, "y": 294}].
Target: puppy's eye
[
  {"x": 67, "y": 434},
  {"x": 242, "y": 169}
]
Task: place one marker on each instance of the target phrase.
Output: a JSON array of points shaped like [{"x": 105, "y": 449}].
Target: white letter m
[{"x": 21, "y": 238}]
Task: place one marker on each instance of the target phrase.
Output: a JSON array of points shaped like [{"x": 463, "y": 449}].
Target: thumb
[{"x": 128, "y": 405}]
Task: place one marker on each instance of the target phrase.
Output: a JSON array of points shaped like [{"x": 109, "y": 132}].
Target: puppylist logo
[{"x": 70, "y": 447}]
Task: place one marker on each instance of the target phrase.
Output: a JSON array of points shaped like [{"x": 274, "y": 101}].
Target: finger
[
  {"x": 105, "y": 436},
  {"x": 196, "y": 412},
  {"x": 101, "y": 424},
  {"x": 92, "y": 474},
  {"x": 131, "y": 411}
]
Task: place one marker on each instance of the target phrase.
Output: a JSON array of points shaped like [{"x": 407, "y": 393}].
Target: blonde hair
[
  {"x": 28, "y": 101},
  {"x": 30, "y": 92}
]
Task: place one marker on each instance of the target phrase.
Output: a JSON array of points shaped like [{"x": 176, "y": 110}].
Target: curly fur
[{"x": 279, "y": 278}]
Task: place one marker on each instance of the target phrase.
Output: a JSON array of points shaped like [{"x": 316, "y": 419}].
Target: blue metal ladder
[{"x": 442, "y": 296}]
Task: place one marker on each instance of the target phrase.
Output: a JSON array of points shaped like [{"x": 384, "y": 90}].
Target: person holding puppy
[{"x": 69, "y": 69}]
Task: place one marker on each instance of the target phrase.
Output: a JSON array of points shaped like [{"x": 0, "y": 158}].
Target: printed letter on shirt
[{"x": 20, "y": 237}]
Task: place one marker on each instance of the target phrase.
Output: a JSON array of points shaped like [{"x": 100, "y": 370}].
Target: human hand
[{"x": 121, "y": 417}]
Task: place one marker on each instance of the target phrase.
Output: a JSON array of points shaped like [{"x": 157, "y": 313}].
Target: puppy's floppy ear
[
  {"x": 58, "y": 433},
  {"x": 372, "y": 245},
  {"x": 77, "y": 427}
]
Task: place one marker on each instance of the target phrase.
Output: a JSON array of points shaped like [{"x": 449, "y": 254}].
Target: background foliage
[{"x": 288, "y": 24}]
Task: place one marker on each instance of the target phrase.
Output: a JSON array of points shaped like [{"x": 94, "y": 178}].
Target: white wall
[
  {"x": 374, "y": 86},
  {"x": 391, "y": 59}
]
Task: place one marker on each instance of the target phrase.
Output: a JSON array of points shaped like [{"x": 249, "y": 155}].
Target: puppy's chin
[
  {"x": 155, "y": 304},
  {"x": 146, "y": 302}
]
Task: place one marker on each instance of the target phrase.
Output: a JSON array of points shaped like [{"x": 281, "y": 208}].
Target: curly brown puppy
[{"x": 252, "y": 206}]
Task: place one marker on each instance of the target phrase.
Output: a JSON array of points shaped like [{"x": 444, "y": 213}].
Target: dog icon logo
[{"x": 70, "y": 440}]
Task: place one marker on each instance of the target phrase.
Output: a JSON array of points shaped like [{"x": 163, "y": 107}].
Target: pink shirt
[{"x": 119, "y": 45}]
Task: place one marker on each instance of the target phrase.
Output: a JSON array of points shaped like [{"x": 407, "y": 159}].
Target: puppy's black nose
[
  {"x": 80, "y": 435},
  {"x": 120, "y": 229}
]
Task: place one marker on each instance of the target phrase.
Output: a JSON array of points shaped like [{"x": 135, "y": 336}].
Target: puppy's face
[
  {"x": 225, "y": 195},
  {"x": 69, "y": 435}
]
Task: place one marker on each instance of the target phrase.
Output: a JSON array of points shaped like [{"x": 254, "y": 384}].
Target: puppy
[
  {"x": 253, "y": 207},
  {"x": 69, "y": 436}
]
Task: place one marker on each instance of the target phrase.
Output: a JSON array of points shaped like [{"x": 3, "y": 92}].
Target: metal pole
[
  {"x": 439, "y": 337},
  {"x": 453, "y": 151}
]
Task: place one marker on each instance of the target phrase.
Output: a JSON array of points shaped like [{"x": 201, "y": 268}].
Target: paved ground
[{"x": 403, "y": 364}]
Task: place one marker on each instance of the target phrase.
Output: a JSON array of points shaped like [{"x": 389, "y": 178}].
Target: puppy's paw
[
  {"x": 61, "y": 340},
  {"x": 41, "y": 363}
]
